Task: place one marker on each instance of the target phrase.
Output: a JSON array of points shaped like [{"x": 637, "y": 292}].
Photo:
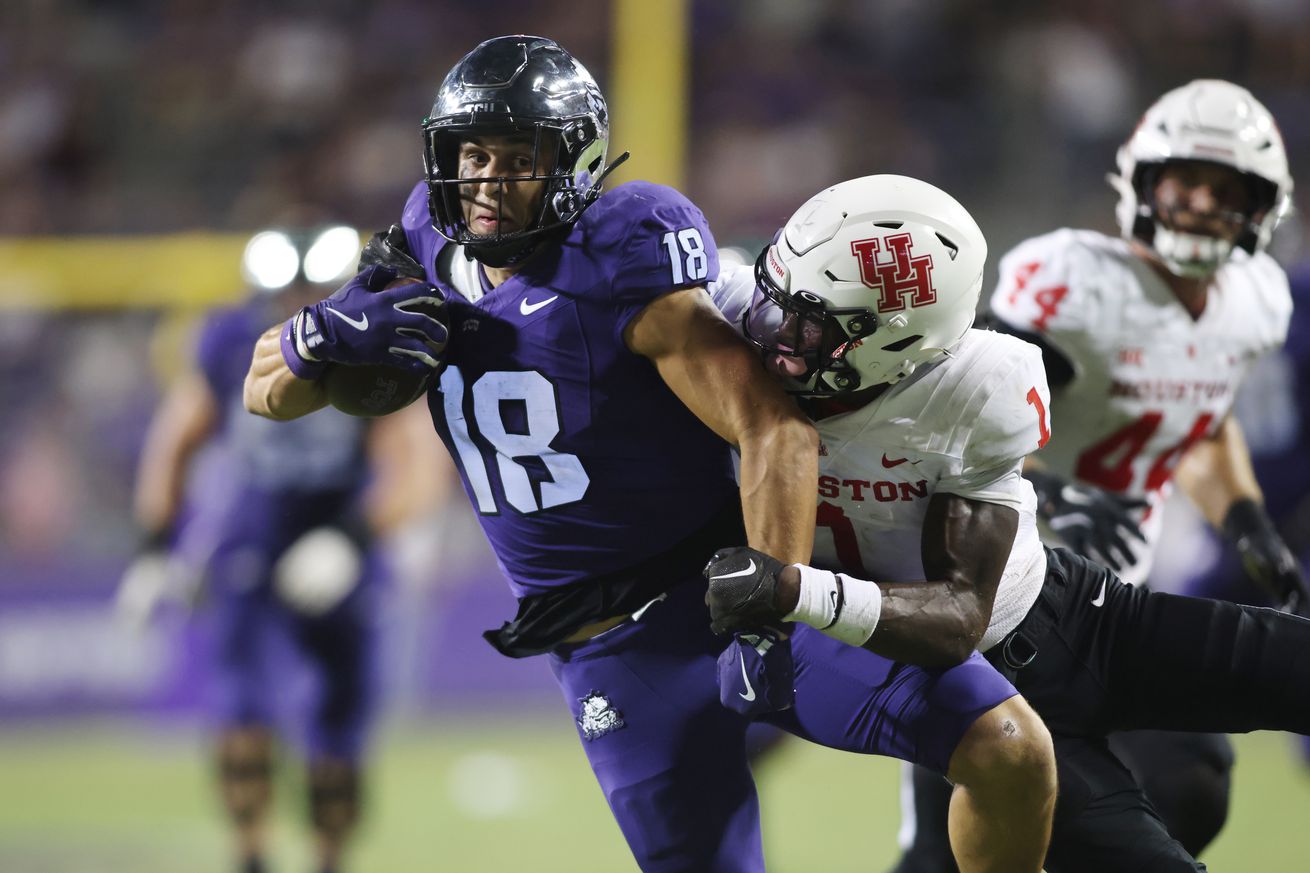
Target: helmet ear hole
[{"x": 903, "y": 344}]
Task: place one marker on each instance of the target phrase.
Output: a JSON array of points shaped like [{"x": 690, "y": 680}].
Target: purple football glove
[
  {"x": 756, "y": 674},
  {"x": 365, "y": 322}
]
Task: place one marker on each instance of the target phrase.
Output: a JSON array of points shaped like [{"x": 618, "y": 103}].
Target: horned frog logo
[{"x": 597, "y": 716}]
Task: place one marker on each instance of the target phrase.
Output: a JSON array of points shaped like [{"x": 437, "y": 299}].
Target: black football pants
[{"x": 1094, "y": 656}]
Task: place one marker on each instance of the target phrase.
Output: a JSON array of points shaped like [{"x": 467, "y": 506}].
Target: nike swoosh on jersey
[
  {"x": 1100, "y": 597},
  {"x": 360, "y": 323},
  {"x": 749, "y": 570},
  {"x": 896, "y": 463},
  {"x": 749, "y": 694},
  {"x": 526, "y": 308}
]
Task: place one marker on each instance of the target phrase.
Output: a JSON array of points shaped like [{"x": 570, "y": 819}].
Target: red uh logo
[{"x": 898, "y": 277}]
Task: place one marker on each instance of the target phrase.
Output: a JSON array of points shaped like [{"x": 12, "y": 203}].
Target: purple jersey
[{"x": 578, "y": 458}]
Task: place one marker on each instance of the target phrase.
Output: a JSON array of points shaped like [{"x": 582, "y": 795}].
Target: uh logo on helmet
[
  {"x": 1219, "y": 123},
  {"x": 867, "y": 281}
]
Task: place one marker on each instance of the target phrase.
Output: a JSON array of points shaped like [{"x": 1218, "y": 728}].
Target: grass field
[{"x": 116, "y": 798}]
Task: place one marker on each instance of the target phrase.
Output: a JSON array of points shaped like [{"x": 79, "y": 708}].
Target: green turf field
[{"x": 117, "y": 798}]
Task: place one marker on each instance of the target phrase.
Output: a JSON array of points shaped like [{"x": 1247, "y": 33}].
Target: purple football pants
[
  {"x": 672, "y": 760},
  {"x": 261, "y": 646}
]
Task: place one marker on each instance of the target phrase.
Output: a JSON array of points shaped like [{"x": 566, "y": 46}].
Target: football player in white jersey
[
  {"x": 863, "y": 306},
  {"x": 1146, "y": 340}
]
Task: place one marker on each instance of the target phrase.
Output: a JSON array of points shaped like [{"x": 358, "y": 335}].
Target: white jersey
[
  {"x": 960, "y": 426},
  {"x": 1149, "y": 380}
]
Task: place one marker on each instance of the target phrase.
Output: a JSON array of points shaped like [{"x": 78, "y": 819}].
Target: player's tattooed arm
[
  {"x": 720, "y": 378},
  {"x": 271, "y": 389}
]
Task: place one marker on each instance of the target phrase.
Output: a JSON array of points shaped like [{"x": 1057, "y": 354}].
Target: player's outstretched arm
[
  {"x": 936, "y": 622},
  {"x": 271, "y": 389},
  {"x": 186, "y": 418},
  {"x": 1217, "y": 475},
  {"x": 721, "y": 379},
  {"x": 183, "y": 423}
]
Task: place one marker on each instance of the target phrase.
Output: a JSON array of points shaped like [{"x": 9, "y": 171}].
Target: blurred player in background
[
  {"x": 589, "y": 395},
  {"x": 276, "y": 534},
  {"x": 863, "y": 305},
  {"x": 1145, "y": 340}
]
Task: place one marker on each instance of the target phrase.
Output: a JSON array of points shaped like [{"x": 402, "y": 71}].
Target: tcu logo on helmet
[{"x": 902, "y": 275}]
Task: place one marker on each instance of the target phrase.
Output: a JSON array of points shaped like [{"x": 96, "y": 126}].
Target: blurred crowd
[
  {"x": 143, "y": 115},
  {"x": 149, "y": 116}
]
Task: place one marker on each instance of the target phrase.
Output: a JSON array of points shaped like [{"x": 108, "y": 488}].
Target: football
[{"x": 371, "y": 390}]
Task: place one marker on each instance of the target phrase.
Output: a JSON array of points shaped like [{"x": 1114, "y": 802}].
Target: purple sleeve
[
  {"x": 665, "y": 245},
  {"x": 417, "y": 222},
  {"x": 224, "y": 346},
  {"x": 214, "y": 349}
]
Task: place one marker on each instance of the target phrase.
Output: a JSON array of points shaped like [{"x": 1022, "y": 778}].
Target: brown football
[{"x": 370, "y": 390}]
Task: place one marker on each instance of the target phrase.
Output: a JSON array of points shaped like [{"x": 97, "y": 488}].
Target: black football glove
[
  {"x": 389, "y": 248},
  {"x": 742, "y": 594},
  {"x": 1091, "y": 521},
  {"x": 1267, "y": 559}
]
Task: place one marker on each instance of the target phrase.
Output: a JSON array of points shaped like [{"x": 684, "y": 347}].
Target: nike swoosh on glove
[
  {"x": 757, "y": 675},
  {"x": 742, "y": 593},
  {"x": 371, "y": 321}
]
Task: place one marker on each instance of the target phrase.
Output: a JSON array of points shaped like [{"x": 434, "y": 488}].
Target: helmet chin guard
[{"x": 1211, "y": 121}]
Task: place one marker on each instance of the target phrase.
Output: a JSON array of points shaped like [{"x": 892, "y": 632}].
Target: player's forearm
[
  {"x": 779, "y": 476},
  {"x": 159, "y": 488},
  {"x": 933, "y": 624},
  {"x": 185, "y": 420},
  {"x": 1217, "y": 471},
  {"x": 272, "y": 390}
]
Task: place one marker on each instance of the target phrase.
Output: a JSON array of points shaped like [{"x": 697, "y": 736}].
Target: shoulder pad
[
  {"x": 654, "y": 238},
  {"x": 1047, "y": 283}
]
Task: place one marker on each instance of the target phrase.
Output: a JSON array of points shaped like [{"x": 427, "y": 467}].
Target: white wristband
[
  {"x": 843, "y": 607},
  {"x": 305, "y": 333}
]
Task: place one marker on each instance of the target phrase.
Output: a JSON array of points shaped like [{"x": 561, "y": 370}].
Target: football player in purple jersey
[
  {"x": 589, "y": 392},
  {"x": 277, "y": 528}
]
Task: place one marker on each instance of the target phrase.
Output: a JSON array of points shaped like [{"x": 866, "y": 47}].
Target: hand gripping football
[{"x": 371, "y": 390}]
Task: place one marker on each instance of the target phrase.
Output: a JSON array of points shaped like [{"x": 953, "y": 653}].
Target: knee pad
[
  {"x": 334, "y": 796},
  {"x": 245, "y": 771},
  {"x": 1187, "y": 779}
]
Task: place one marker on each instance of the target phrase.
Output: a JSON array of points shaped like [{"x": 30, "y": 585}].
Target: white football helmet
[
  {"x": 867, "y": 281},
  {"x": 1213, "y": 121}
]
